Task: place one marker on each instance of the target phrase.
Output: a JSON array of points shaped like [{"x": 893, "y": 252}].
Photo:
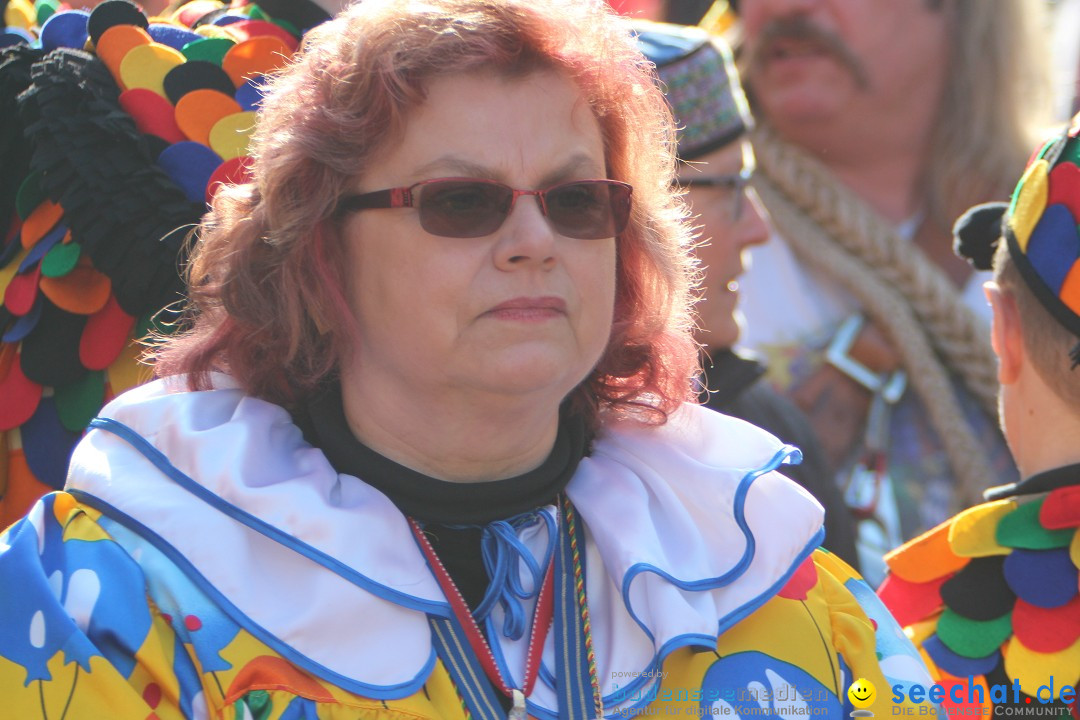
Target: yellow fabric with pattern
[{"x": 804, "y": 644}]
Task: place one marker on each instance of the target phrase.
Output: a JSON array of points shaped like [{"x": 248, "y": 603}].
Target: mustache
[{"x": 798, "y": 28}]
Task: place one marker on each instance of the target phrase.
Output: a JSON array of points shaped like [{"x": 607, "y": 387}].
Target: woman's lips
[{"x": 529, "y": 309}]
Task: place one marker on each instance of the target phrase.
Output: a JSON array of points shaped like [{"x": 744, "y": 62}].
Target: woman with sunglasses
[{"x": 422, "y": 450}]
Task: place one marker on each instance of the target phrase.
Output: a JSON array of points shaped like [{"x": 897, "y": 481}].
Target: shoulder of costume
[
  {"x": 693, "y": 525},
  {"x": 160, "y": 460},
  {"x": 993, "y": 591}
]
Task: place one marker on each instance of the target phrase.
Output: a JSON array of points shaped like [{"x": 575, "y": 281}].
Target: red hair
[{"x": 267, "y": 302}]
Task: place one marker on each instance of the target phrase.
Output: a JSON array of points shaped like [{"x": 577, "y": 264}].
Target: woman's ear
[{"x": 1006, "y": 332}]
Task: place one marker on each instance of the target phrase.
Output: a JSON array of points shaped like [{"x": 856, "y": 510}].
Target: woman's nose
[{"x": 526, "y": 237}]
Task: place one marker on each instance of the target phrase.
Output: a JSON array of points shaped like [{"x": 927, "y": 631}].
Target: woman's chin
[{"x": 528, "y": 373}]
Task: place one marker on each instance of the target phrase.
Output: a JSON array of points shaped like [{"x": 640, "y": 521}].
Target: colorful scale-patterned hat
[
  {"x": 115, "y": 132},
  {"x": 1041, "y": 227}
]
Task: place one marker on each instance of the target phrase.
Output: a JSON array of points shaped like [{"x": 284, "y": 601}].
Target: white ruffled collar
[{"x": 685, "y": 540}]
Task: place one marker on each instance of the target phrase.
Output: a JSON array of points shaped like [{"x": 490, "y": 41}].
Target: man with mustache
[{"x": 881, "y": 121}]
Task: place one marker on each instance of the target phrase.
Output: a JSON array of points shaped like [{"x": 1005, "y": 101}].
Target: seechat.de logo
[{"x": 861, "y": 694}]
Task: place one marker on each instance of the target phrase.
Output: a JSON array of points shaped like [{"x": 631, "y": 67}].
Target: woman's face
[
  {"x": 730, "y": 219},
  {"x": 523, "y": 311}
]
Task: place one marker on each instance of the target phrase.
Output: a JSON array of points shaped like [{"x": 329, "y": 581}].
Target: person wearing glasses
[
  {"x": 716, "y": 165},
  {"x": 423, "y": 448}
]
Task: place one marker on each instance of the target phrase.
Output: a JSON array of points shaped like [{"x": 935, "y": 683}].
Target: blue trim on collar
[
  {"x": 690, "y": 639},
  {"x": 739, "y": 511},
  {"x": 376, "y": 692},
  {"x": 725, "y": 623},
  {"x": 731, "y": 619},
  {"x": 162, "y": 463}
]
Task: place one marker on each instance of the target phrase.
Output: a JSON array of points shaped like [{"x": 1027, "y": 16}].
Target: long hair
[
  {"x": 267, "y": 302},
  {"x": 995, "y": 105}
]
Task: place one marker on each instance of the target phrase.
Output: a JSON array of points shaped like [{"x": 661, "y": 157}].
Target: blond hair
[{"x": 995, "y": 105}]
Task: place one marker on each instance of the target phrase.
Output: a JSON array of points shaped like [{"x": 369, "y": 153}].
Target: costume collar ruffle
[{"x": 687, "y": 528}]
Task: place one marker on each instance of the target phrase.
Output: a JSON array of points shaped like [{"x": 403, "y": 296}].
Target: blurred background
[{"x": 719, "y": 16}]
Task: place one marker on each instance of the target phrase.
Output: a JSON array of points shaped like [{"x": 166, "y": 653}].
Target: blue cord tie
[{"x": 503, "y": 552}]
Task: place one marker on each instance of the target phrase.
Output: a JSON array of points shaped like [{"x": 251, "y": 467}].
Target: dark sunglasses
[
  {"x": 735, "y": 184},
  {"x": 471, "y": 208}
]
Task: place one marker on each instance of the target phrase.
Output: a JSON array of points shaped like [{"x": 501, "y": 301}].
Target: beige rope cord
[{"x": 834, "y": 232}]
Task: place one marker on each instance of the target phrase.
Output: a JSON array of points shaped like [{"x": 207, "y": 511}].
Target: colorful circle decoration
[
  {"x": 994, "y": 593},
  {"x": 115, "y": 132}
]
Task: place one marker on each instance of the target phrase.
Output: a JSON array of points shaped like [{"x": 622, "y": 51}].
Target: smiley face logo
[{"x": 862, "y": 693}]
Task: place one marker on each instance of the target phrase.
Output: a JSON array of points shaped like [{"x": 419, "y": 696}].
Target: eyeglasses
[
  {"x": 736, "y": 184},
  {"x": 471, "y": 208}
]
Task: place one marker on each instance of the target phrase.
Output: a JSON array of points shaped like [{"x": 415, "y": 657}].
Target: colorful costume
[
  {"x": 116, "y": 131},
  {"x": 303, "y": 594},
  {"x": 992, "y": 594}
]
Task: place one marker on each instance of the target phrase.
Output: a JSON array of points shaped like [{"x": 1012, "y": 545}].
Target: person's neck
[
  {"x": 1053, "y": 450},
  {"x": 1045, "y": 432},
  {"x": 1051, "y": 457},
  {"x": 882, "y": 161},
  {"x": 455, "y": 436}
]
